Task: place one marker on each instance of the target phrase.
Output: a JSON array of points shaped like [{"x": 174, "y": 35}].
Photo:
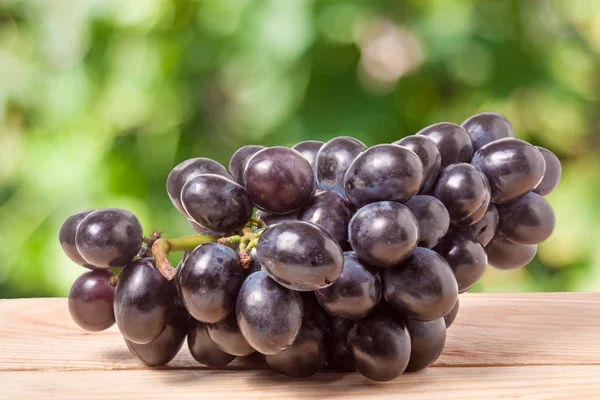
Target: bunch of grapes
[{"x": 354, "y": 258}]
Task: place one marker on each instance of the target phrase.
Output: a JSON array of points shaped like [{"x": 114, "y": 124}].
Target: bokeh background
[{"x": 99, "y": 99}]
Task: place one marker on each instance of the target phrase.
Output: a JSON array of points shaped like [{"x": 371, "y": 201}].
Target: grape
[
  {"x": 309, "y": 149},
  {"x": 216, "y": 203},
  {"x": 209, "y": 281},
  {"x": 355, "y": 293},
  {"x": 187, "y": 170},
  {"x": 200, "y": 230},
  {"x": 433, "y": 219},
  {"x": 485, "y": 229},
  {"x": 427, "y": 151},
  {"x": 240, "y": 159},
  {"x": 383, "y": 172},
  {"x": 226, "y": 335},
  {"x": 528, "y": 220},
  {"x": 481, "y": 210},
  {"x": 91, "y": 301},
  {"x": 513, "y": 168},
  {"x": 67, "y": 234},
  {"x": 504, "y": 254},
  {"x": 453, "y": 141},
  {"x": 488, "y": 127},
  {"x": 254, "y": 266},
  {"x": 339, "y": 356},
  {"x": 331, "y": 212},
  {"x": 144, "y": 299},
  {"x": 307, "y": 355},
  {"x": 423, "y": 287},
  {"x": 203, "y": 348},
  {"x": 380, "y": 346},
  {"x": 109, "y": 238},
  {"x": 333, "y": 161},
  {"x": 552, "y": 175},
  {"x": 268, "y": 315},
  {"x": 279, "y": 180},
  {"x": 462, "y": 189},
  {"x": 165, "y": 347},
  {"x": 300, "y": 255},
  {"x": 466, "y": 257},
  {"x": 427, "y": 341},
  {"x": 383, "y": 234},
  {"x": 451, "y": 316},
  {"x": 271, "y": 219}
]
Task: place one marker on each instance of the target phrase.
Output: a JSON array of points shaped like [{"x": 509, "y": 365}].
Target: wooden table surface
[{"x": 542, "y": 346}]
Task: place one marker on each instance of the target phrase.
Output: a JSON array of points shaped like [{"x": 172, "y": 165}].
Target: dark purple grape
[
  {"x": 333, "y": 161},
  {"x": 462, "y": 189},
  {"x": 481, "y": 210},
  {"x": 528, "y": 220},
  {"x": 453, "y": 141},
  {"x": 466, "y": 257},
  {"x": 355, "y": 293},
  {"x": 307, "y": 355},
  {"x": 240, "y": 158},
  {"x": 187, "y": 170},
  {"x": 427, "y": 151},
  {"x": 91, "y": 301},
  {"x": 380, "y": 346},
  {"x": 216, "y": 203},
  {"x": 504, "y": 254},
  {"x": 164, "y": 348},
  {"x": 300, "y": 255},
  {"x": 451, "y": 316},
  {"x": 109, "y": 238},
  {"x": 432, "y": 217},
  {"x": 485, "y": 229},
  {"x": 487, "y": 127},
  {"x": 423, "y": 287},
  {"x": 144, "y": 299},
  {"x": 199, "y": 229},
  {"x": 226, "y": 335},
  {"x": 513, "y": 168},
  {"x": 279, "y": 180},
  {"x": 309, "y": 149},
  {"x": 339, "y": 356},
  {"x": 552, "y": 175},
  {"x": 386, "y": 172},
  {"x": 203, "y": 348},
  {"x": 383, "y": 234},
  {"x": 209, "y": 281},
  {"x": 268, "y": 315},
  {"x": 66, "y": 236},
  {"x": 271, "y": 219},
  {"x": 427, "y": 341},
  {"x": 254, "y": 266},
  {"x": 331, "y": 212}
]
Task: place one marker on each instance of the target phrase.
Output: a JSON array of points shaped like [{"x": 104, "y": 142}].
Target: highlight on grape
[{"x": 321, "y": 254}]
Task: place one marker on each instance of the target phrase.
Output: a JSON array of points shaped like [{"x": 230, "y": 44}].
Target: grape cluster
[{"x": 324, "y": 253}]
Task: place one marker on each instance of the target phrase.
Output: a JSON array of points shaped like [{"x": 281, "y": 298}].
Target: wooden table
[{"x": 543, "y": 346}]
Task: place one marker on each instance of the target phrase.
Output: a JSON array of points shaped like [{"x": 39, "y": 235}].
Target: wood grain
[
  {"x": 540, "y": 382},
  {"x": 501, "y": 345}
]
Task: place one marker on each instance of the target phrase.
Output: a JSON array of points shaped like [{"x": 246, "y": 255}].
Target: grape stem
[
  {"x": 162, "y": 247},
  {"x": 259, "y": 223}
]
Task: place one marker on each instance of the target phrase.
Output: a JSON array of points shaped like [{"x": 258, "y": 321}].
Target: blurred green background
[{"x": 99, "y": 99}]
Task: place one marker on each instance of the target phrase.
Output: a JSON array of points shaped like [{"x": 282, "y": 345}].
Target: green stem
[
  {"x": 258, "y": 222},
  {"x": 162, "y": 247}
]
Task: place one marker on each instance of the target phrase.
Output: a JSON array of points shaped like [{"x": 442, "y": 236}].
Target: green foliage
[{"x": 99, "y": 99}]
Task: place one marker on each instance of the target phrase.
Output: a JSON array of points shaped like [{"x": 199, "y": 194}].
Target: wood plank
[
  {"x": 491, "y": 330},
  {"x": 538, "y": 382}
]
